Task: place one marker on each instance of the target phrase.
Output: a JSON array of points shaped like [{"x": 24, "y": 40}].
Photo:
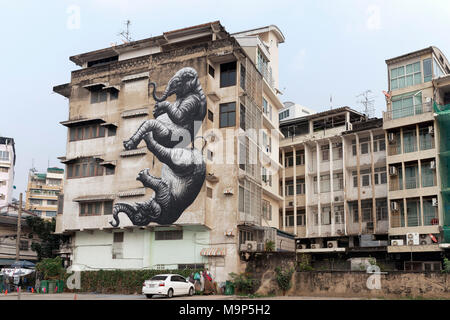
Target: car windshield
[{"x": 159, "y": 278}]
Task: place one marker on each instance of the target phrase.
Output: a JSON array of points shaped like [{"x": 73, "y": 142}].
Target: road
[{"x": 94, "y": 296}]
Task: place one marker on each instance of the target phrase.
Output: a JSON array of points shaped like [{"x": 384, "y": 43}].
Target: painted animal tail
[
  {"x": 121, "y": 207},
  {"x": 157, "y": 99}
]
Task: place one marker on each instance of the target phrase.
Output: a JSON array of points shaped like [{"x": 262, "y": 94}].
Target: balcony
[{"x": 407, "y": 111}]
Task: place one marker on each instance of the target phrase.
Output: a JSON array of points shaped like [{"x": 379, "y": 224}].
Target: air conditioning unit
[
  {"x": 302, "y": 246},
  {"x": 434, "y": 202},
  {"x": 425, "y": 239},
  {"x": 249, "y": 246},
  {"x": 412, "y": 239},
  {"x": 338, "y": 199},
  {"x": 394, "y": 206},
  {"x": 433, "y": 164},
  {"x": 431, "y": 130},
  {"x": 290, "y": 203},
  {"x": 315, "y": 246},
  {"x": 391, "y": 137},
  {"x": 332, "y": 244},
  {"x": 397, "y": 242},
  {"x": 228, "y": 191},
  {"x": 392, "y": 171}
]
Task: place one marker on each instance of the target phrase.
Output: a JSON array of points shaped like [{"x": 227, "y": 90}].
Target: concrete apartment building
[
  {"x": 110, "y": 97},
  {"x": 416, "y": 209},
  {"x": 7, "y": 162},
  {"x": 8, "y": 236},
  {"x": 292, "y": 110},
  {"x": 43, "y": 190},
  {"x": 334, "y": 182}
]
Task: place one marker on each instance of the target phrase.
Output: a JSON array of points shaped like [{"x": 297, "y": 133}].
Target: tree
[{"x": 50, "y": 242}]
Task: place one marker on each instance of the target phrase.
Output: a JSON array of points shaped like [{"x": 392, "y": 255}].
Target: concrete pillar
[
  {"x": 283, "y": 159},
  {"x": 294, "y": 153}
]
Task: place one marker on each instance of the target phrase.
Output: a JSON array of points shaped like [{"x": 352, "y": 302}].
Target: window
[
  {"x": 301, "y": 186},
  {"x": 23, "y": 245},
  {"x": 364, "y": 143},
  {"x": 325, "y": 183},
  {"x": 366, "y": 207},
  {"x": 406, "y": 106},
  {"x": 228, "y": 74},
  {"x": 87, "y": 132},
  {"x": 242, "y": 80},
  {"x": 87, "y": 167},
  {"x": 405, "y": 76},
  {"x": 428, "y": 174},
  {"x": 365, "y": 178},
  {"x": 4, "y": 155},
  {"x": 211, "y": 70},
  {"x": 209, "y": 192},
  {"x": 283, "y": 115},
  {"x": 266, "y": 210},
  {"x": 210, "y": 155},
  {"x": 409, "y": 141},
  {"x": 338, "y": 181},
  {"x": 300, "y": 157},
  {"x": 289, "y": 185},
  {"x": 382, "y": 210},
  {"x": 326, "y": 215},
  {"x": 289, "y": 219},
  {"x": 413, "y": 212},
  {"x": 227, "y": 115},
  {"x": 425, "y": 138},
  {"x": 109, "y": 170},
  {"x": 301, "y": 217},
  {"x": 379, "y": 143},
  {"x": 339, "y": 214},
  {"x": 112, "y": 131},
  {"x": 427, "y": 70},
  {"x": 245, "y": 235},
  {"x": 118, "y": 237},
  {"x": 241, "y": 199},
  {"x": 437, "y": 69},
  {"x": 4, "y": 169},
  {"x": 325, "y": 152},
  {"x": 289, "y": 159},
  {"x": 242, "y": 118},
  {"x": 52, "y": 202},
  {"x": 210, "y": 116},
  {"x": 102, "y": 61},
  {"x": 95, "y": 208},
  {"x": 99, "y": 95},
  {"x": 354, "y": 147},
  {"x": 267, "y": 109},
  {"x": 411, "y": 176},
  {"x": 337, "y": 151},
  {"x": 380, "y": 175},
  {"x": 169, "y": 235}
]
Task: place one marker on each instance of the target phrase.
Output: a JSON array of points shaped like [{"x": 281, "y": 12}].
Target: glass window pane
[
  {"x": 409, "y": 80},
  {"x": 394, "y": 84},
  {"x": 409, "y": 69},
  {"x": 417, "y": 67}
]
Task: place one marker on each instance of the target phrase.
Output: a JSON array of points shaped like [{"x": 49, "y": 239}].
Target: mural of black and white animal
[{"x": 183, "y": 171}]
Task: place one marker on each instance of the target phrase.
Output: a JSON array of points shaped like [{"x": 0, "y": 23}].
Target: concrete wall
[{"x": 348, "y": 284}]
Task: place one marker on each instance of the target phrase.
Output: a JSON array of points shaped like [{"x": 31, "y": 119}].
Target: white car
[{"x": 167, "y": 284}]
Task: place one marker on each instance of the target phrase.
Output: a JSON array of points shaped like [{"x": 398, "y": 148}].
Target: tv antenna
[
  {"x": 367, "y": 100},
  {"x": 126, "y": 33}
]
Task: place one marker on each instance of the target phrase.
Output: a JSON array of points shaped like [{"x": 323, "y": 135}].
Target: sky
[{"x": 333, "y": 48}]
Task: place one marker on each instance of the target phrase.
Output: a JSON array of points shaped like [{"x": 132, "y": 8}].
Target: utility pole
[{"x": 19, "y": 218}]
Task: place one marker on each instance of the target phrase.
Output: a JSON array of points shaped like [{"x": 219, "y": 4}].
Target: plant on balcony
[{"x": 270, "y": 246}]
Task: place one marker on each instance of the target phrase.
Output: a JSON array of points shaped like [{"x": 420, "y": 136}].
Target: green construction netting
[{"x": 443, "y": 119}]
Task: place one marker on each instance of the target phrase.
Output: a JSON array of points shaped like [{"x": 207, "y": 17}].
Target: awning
[
  {"x": 66, "y": 161},
  {"x": 7, "y": 262},
  {"x": 109, "y": 124},
  {"x": 131, "y": 193},
  {"x": 136, "y": 76},
  {"x": 134, "y": 152},
  {"x": 109, "y": 163},
  {"x": 95, "y": 85},
  {"x": 72, "y": 123},
  {"x": 117, "y": 88},
  {"x": 135, "y": 113},
  {"x": 213, "y": 252},
  {"x": 98, "y": 197}
]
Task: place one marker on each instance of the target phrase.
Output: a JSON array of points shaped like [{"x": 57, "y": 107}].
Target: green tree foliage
[
  {"x": 49, "y": 241},
  {"x": 284, "y": 278},
  {"x": 244, "y": 282},
  {"x": 51, "y": 268}
]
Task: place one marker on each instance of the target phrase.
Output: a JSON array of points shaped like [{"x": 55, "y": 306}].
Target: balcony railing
[{"x": 408, "y": 111}]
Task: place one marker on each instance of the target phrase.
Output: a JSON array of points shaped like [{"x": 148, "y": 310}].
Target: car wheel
[
  {"x": 149, "y": 296},
  {"x": 191, "y": 291},
  {"x": 170, "y": 293}
]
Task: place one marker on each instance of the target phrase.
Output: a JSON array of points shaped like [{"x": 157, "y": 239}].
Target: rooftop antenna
[
  {"x": 331, "y": 102},
  {"x": 367, "y": 100},
  {"x": 126, "y": 34}
]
